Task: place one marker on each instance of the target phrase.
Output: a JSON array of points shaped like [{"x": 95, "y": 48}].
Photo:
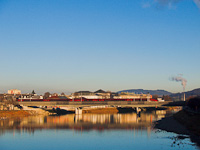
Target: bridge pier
[
  {"x": 138, "y": 110},
  {"x": 78, "y": 111}
]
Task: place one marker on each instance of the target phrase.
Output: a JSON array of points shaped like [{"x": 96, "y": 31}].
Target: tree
[
  {"x": 33, "y": 92},
  {"x": 63, "y": 94},
  {"x": 155, "y": 96},
  {"x": 2, "y": 98},
  {"x": 194, "y": 103},
  {"x": 10, "y": 99},
  {"x": 46, "y": 95},
  {"x": 167, "y": 98}
]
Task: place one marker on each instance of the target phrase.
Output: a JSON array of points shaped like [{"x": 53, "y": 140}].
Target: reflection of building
[
  {"x": 160, "y": 112},
  {"x": 132, "y": 118},
  {"x": 14, "y": 91},
  {"x": 61, "y": 120},
  {"x": 96, "y": 118},
  {"x": 84, "y": 122},
  {"x": 34, "y": 120},
  {"x": 127, "y": 118}
]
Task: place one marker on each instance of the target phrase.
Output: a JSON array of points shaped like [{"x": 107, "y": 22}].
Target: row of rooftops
[
  {"x": 107, "y": 94},
  {"x": 87, "y": 94}
]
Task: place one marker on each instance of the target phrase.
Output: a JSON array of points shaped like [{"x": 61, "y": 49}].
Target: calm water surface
[{"x": 89, "y": 131}]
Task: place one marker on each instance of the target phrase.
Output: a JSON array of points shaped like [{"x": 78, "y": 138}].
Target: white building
[
  {"x": 86, "y": 94},
  {"x": 14, "y": 91}
]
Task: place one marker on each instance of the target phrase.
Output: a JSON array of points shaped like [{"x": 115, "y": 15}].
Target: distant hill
[
  {"x": 174, "y": 96},
  {"x": 152, "y": 92},
  {"x": 195, "y": 92}
]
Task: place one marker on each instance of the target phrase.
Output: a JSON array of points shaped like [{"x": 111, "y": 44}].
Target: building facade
[{"x": 14, "y": 91}]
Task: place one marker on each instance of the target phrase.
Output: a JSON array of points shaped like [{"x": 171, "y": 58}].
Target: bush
[{"x": 194, "y": 103}]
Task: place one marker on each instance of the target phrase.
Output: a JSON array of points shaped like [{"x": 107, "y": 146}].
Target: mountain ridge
[
  {"x": 158, "y": 92},
  {"x": 188, "y": 94}
]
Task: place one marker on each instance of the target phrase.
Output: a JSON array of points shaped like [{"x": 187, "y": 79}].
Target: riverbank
[
  {"x": 182, "y": 123},
  {"x": 170, "y": 124},
  {"x": 7, "y": 114},
  {"x": 190, "y": 120}
]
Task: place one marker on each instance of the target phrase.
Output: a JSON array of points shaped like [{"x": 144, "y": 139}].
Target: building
[
  {"x": 86, "y": 94},
  {"x": 30, "y": 96},
  {"x": 103, "y": 94},
  {"x": 100, "y": 94},
  {"x": 14, "y": 91},
  {"x": 127, "y": 95}
]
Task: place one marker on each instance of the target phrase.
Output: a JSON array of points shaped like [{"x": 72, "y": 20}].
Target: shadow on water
[
  {"x": 125, "y": 109},
  {"x": 137, "y": 110},
  {"x": 58, "y": 111},
  {"x": 176, "y": 103}
]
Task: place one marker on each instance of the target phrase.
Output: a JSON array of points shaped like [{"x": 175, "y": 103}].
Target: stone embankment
[{"x": 35, "y": 111}]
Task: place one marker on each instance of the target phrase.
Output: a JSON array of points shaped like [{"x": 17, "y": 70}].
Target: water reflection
[
  {"x": 85, "y": 122},
  {"x": 88, "y": 131}
]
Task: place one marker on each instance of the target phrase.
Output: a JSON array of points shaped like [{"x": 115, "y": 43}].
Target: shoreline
[
  {"x": 14, "y": 114},
  {"x": 181, "y": 123},
  {"x": 189, "y": 120}
]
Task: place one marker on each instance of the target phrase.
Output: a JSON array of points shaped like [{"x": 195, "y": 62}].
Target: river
[{"x": 90, "y": 131}]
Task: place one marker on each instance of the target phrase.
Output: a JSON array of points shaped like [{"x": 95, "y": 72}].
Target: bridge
[{"x": 97, "y": 103}]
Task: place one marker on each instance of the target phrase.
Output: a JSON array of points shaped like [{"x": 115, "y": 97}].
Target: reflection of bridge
[
  {"x": 86, "y": 104},
  {"x": 84, "y": 122}
]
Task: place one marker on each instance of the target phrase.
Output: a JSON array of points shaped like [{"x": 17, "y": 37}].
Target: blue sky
[{"x": 71, "y": 45}]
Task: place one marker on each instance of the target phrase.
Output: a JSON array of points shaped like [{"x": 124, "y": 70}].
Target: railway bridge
[{"x": 97, "y": 103}]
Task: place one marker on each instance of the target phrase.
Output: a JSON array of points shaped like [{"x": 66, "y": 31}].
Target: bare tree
[
  {"x": 2, "y": 98},
  {"x": 63, "y": 94},
  {"x": 154, "y": 96},
  {"x": 46, "y": 95},
  {"x": 167, "y": 98}
]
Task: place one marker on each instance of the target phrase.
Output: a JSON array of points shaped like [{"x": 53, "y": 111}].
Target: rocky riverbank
[{"x": 182, "y": 123}]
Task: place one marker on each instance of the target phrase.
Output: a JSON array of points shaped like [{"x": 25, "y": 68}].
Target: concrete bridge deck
[{"x": 86, "y": 104}]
